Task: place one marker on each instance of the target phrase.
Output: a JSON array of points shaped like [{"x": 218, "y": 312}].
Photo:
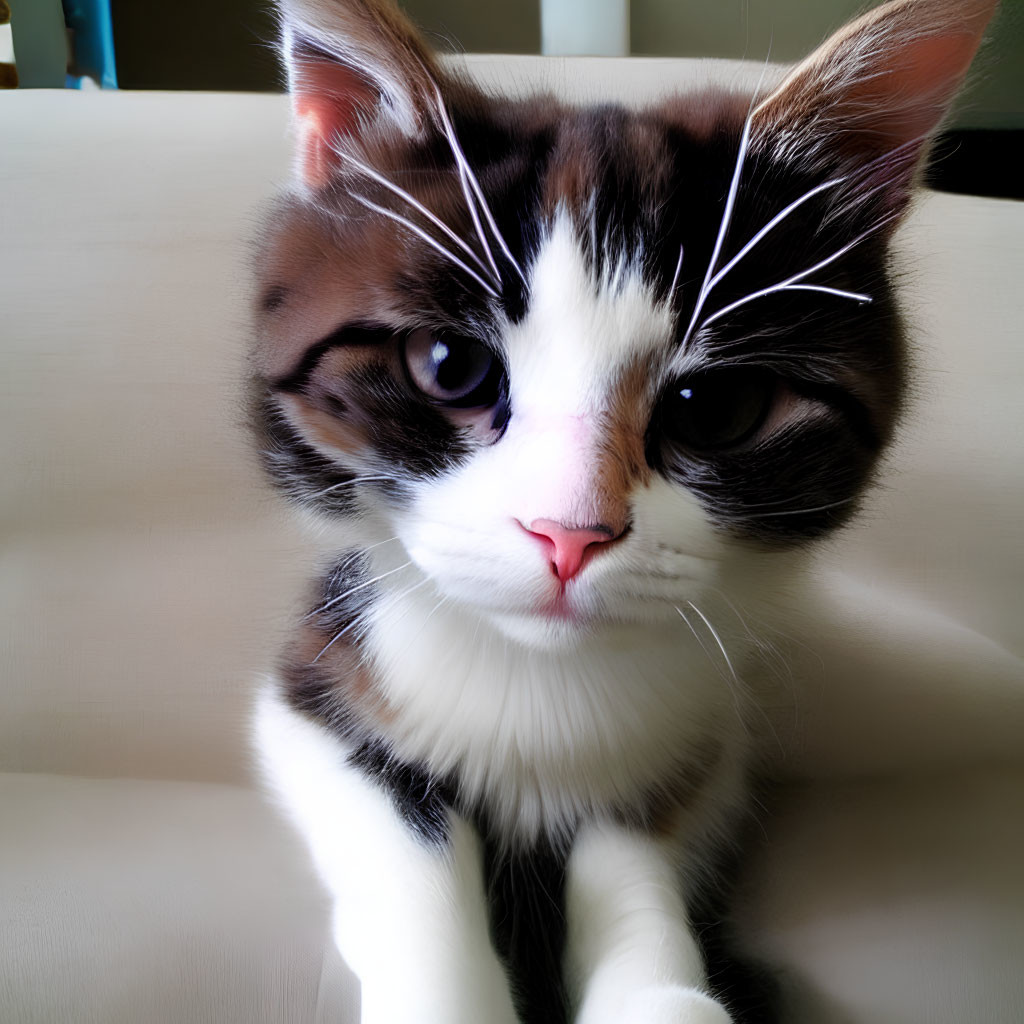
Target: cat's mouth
[{"x": 561, "y": 609}]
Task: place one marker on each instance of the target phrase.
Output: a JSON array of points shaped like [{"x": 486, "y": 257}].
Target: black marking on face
[
  {"x": 654, "y": 188},
  {"x": 855, "y": 412},
  {"x": 509, "y": 158},
  {"x": 405, "y": 434},
  {"x": 794, "y": 486},
  {"x": 408, "y": 431},
  {"x": 526, "y": 903},
  {"x": 306, "y": 475},
  {"x": 804, "y": 479},
  {"x": 348, "y": 335}
]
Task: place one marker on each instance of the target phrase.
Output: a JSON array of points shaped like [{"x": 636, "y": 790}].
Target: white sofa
[{"x": 147, "y": 577}]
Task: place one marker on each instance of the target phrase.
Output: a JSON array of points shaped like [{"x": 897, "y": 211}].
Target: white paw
[{"x": 673, "y": 1004}]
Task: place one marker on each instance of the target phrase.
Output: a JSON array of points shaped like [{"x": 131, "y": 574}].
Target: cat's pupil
[
  {"x": 454, "y": 366},
  {"x": 455, "y": 371},
  {"x": 717, "y": 409}
]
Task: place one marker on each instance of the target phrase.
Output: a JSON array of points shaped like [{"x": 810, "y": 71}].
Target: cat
[{"x": 572, "y": 391}]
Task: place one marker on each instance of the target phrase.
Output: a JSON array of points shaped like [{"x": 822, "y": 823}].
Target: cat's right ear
[
  {"x": 874, "y": 94},
  {"x": 354, "y": 67}
]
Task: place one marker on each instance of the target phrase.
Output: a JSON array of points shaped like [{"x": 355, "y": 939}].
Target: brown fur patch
[
  {"x": 337, "y": 676},
  {"x": 623, "y": 465},
  {"x": 333, "y": 272}
]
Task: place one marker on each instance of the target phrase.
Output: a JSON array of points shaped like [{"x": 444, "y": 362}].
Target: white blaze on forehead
[
  {"x": 580, "y": 331},
  {"x": 580, "y": 334},
  {"x": 565, "y": 361}
]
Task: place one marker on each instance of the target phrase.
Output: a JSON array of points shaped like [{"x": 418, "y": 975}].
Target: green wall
[
  {"x": 481, "y": 26},
  {"x": 791, "y": 28},
  {"x": 223, "y": 44},
  {"x": 788, "y": 29}
]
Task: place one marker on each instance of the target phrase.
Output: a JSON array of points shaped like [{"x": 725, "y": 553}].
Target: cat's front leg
[
  {"x": 631, "y": 957},
  {"x": 409, "y": 911}
]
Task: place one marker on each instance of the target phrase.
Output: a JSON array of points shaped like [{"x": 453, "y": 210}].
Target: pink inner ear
[
  {"x": 911, "y": 94},
  {"x": 327, "y": 99}
]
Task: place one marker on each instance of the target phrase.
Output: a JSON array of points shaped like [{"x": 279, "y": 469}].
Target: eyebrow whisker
[
  {"x": 416, "y": 204},
  {"x": 469, "y": 181},
  {"x": 792, "y": 283},
  {"x": 723, "y": 227},
  {"x": 675, "y": 276},
  {"x": 777, "y": 219},
  {"x": 429, "y": 239}
]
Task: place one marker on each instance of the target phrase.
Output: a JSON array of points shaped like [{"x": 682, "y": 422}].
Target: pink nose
[{"x": 569, "y": 547}]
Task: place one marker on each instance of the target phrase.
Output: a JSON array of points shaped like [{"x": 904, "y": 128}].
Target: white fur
[
  {"x": 631, "y": 956},
  {"x": 410, "y": 920},
  {"x": 563, "y": 361}
]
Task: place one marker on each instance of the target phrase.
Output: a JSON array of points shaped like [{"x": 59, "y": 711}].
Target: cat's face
[{"x": 583, "y": 364}]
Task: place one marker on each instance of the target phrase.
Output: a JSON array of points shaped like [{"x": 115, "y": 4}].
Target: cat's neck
[{"x": 542, "y": 733}]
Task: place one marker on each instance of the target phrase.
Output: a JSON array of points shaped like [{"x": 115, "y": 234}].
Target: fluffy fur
[{"x": 576, "y": 389}]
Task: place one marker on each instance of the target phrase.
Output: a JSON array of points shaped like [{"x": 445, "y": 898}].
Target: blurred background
[{"x": 227, "y": 45}]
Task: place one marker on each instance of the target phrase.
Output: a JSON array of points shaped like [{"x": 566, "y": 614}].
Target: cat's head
[{"x": 581, "y": 360}]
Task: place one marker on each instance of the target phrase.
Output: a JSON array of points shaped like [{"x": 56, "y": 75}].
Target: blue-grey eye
[
  {"x": 718, "y": 408},
  {"x": 457, "y": 372}
]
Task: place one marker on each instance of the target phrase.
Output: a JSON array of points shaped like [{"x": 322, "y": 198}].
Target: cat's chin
[
  {"x": 542, "y": 631},
  {"x": 558, "y": 625}
]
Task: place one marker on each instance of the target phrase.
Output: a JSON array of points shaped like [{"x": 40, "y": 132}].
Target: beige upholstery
[{"x": 147, "y": 577}]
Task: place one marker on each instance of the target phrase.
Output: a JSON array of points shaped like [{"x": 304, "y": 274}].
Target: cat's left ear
[
  {"x": 354, "y": 67},
  {"x": 874, "y": 93}
]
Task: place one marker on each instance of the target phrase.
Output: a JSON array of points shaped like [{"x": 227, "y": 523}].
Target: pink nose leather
[{"x": 569, "y": 547}]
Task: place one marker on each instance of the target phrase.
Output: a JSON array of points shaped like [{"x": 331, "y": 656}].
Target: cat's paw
[{"x": 673, "y": 1004}]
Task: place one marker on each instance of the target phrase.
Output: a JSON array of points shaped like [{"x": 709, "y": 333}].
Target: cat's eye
[
  {"x": 717, "y": 409},
  {"x": 458, "y": 372}
]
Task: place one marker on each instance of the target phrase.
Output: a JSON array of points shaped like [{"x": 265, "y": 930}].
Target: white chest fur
[{"x": 543, "y": 734}]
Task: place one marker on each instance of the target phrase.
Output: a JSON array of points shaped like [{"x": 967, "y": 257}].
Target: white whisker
[
  {"x": 468, "y": 177},
  {"x": 734, "y": 682},
  {"x": 675, "y": 276},
  {"x": 416, "y": 204},
  {"x": 334, "y": 639},
  {"x": 351, "y": 591},
  {"x": 358, "y": 620},
  {"x": 493, "y": 224},
  {"x": 462, "y": 168},
  {"x": 790, "y": 281},
  {"x": 426, "y": 238},
  {"x": 805, "y": 511},
  {"x": 345, "y": 483},
  {"x": 718, "y": 640},
  {"x": 723, "y": 227},
  {"x": 380, "y": 543},
  {"x": 855, "y": 296},
  {"x": 730, "y": 200},
  {"x": 777, "y": 219}
]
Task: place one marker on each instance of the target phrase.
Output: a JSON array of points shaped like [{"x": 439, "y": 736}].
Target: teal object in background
[
  {"x": 40, "y": 43},
  {"x": 42, "y": 31},
  {"x": 92, "y": 42}
]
